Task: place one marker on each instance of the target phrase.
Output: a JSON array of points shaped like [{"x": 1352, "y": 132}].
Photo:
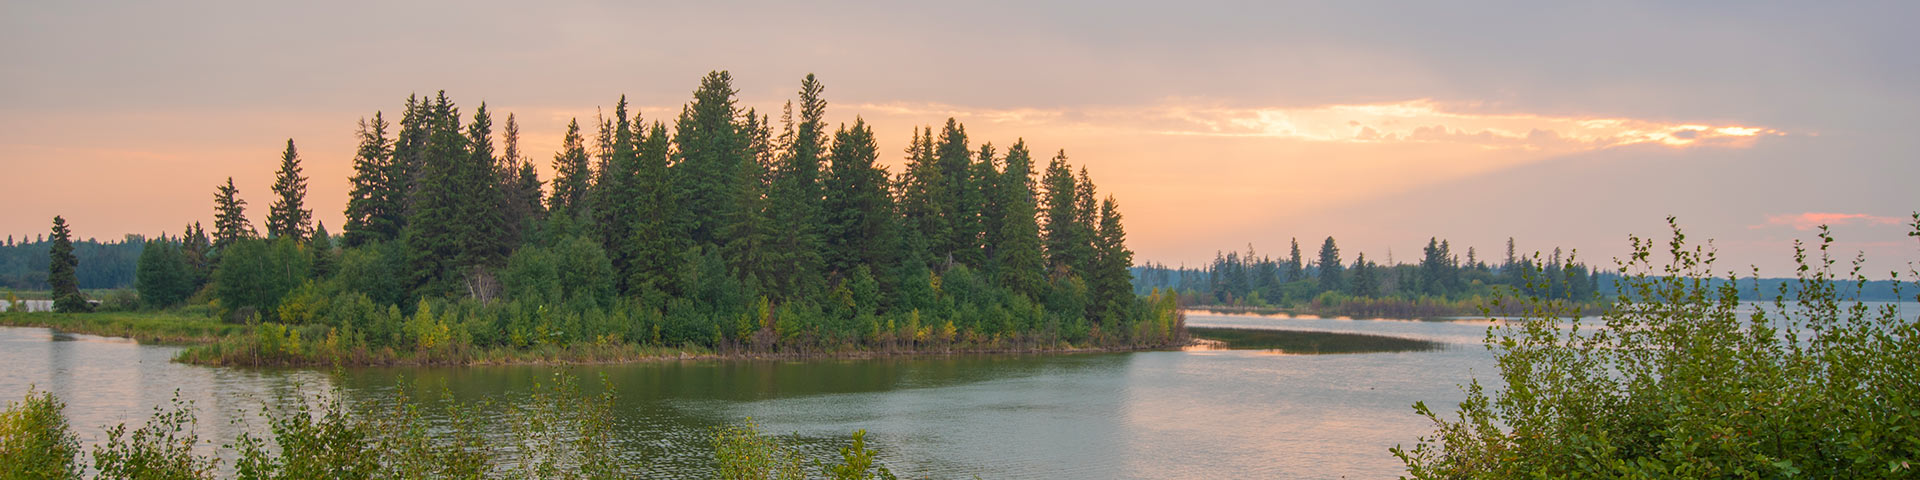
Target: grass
[
  {"x": 164, "y": 328},
  {"x": 1298, "y": 341}
]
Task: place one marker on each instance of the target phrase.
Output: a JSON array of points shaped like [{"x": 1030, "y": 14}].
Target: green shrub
[
  {"x": 160, "y": 450},
  {"x": 35, "y": 442},
  {"x": 1683, "y": 380}
]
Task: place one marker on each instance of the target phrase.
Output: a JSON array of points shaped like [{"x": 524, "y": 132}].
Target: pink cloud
[{"x": 1812, "y": 220}]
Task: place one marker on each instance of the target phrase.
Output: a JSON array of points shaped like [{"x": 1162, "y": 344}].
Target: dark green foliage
[
  {"x": 1681, "y": 379},
  {"x": 712, "y": 150},
  {"x": 374, "y": 210},
  {"x": 1016, "y": 245},
  {"x": 456, "y": 232},
  {"x": 981, "y": 215},
  {"x": 656, "y": 240},
  {"x": 859, "y": 214},
  {"x": 1330, "y": 267},
  {"x": 35, "y": 441},
  {"x": 160, "y": 450},
  {"x": 575, "y": 272},
  {"x": 748, "y": 237},
  {"x": 1062, "y": 228},
  {"x": 62, "y": 268},
  {"x": 324, "y": 258},
  {"x": 1363, "y": 281},
  {"x": 521, "y": 205},
  {"x": 163, "y": 277},
  {"x": 796, "y": 201},
  {"x": 1111, "y": 277},
  {"x": 229, "y": 217},
  {"x": 959, "y": 201},
  {"x": 288, "y": 216},
  {"x": 255, "y": 274},
  {"x": 925, "y": 204},
  {"x": 573, "y": 177}
]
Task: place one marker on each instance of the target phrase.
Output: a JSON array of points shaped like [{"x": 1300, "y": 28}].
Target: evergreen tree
[
  {"x": 711, "y": 152},
  {"x": 1366, "y": 282},
  {"x": 1112, "y": 274},
  {"x": 959, "y": 199},
  {"x": 979, "y": 212},
  {"x": 749, "y": 234},
  {"x": 436, "y": 232},
  {"x": 409, "y": 159},
  {"x": 1017, "y": 242},
  {"x": 1085, "y": 226},
  {"x": 62, "y": 266},
  {"x": 197, "y": 251},
  {"x": 520, "y": 206},
  {"x": 229, "y": 216},
  {"x": 373, "y": 212},
  {"x": 1062, "y": 221},
  {"x": 479, "y": 196},
  {"x": 323, "y": 254},
  {"x": 1296, "y": 270},
  {"x": 615, "y": 196},
  {"x": 572, "y": 175},
  {"x": 288, "y": 216},
  {"x": 657, "y": 242},
  {"x": 1330, "y": 267},
  {"x": 924, "y": 201},
  {"x": 797, "y": 199},
  {"x": 857, "y": 210}
]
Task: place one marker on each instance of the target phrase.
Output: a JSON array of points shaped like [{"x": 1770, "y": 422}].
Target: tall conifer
[
  {"x": 373, "y": 214},
  {"x": 229, "y": 216},
  {"x": 1017, "y": 248},
  {"x": 62, "y": 266},
  {"x": 288, "y": 216}
]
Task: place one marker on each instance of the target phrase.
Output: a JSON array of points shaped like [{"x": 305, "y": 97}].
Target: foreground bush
[
  {"x": 1682, "y": 380},
  {"x": 35, "y": 442}
]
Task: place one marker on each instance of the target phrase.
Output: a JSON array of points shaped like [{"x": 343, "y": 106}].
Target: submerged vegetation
[
  {"x": 560, "y": 432},
  {"x": 1310, "y": 342},
  {"x": 712, "y": 231},
  {"x": 1680, "y": 379}
]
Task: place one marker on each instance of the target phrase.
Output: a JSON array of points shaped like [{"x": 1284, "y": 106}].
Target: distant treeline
[
  {"x": 1441, "y": 279},
  {"x": 719, "y": 227},
  {"x": 103, "y": 265}
]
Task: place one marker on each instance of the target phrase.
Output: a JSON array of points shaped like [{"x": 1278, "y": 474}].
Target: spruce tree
[
  {"x": 197, "y": 250},
  {"x": 657, "y": 241},
  {"x": 1017, "y": 242},
  {"x": 373, "y": 213},
  {"x": 797, "y": 199},
  {"x": 979, "y": 211},
  {"x": 162, "y": 276},
  {"x": 1062, "y": 227},
  {"x": 409, "y": 160},
  {"x": 1330, "y": 268},
  {"x": 436, "y": 231},
  {"x": 288, "y": 216},
  {"x": 857, "y": 209},
  {"x": 1112, "y": 279},
  {"x": 1086, "y": 227},
  {"x": 572, "y": 174},
  {"x": 615, "y": 193},
  {"x": 519, "y": 188},
  {"x": 959, "y": 199},
  {"x": 749, "y": 234},
  {"x": 924, "y": 201},
  {"x": 229, "y": 216},
  {"x": 1365, "y": 281},
  {"x": 62, "y": 266},
  {"x": 1296, "y": 271},
  {"x": 711, "y": 152},
  {"x": 323, "y": 254}
]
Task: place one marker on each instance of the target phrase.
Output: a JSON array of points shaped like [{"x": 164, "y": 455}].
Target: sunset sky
[{"x": 1215, "y": 124}]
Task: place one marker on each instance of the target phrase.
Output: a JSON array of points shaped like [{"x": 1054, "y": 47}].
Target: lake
[{"x": 1148, "y": 415}]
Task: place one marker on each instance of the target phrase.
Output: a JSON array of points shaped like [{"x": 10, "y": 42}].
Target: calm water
[{"x": 1194, "y": 414}]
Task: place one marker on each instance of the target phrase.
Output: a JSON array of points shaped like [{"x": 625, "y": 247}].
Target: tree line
[
  {"x": 1252, "y": 279},
  {"x": 715, "y": 227}
]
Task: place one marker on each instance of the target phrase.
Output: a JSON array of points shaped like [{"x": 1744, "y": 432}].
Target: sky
[{"x": 1216, "y": 125}]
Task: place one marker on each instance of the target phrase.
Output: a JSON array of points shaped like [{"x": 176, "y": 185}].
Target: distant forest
[
  {"x": 1249, "y": 279},
  {"x": 103, "y": 265}
]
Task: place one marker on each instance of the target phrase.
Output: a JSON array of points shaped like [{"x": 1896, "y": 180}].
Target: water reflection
[{"x": 1305, "y": 342}]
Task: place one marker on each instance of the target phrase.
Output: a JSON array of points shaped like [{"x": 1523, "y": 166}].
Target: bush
[
  {"x": 35, "y": 441},
  {"x": 1686, "y": 381}
]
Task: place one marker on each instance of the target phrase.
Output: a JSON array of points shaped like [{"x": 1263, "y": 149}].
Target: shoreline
[{"x": 206, "y": 339}]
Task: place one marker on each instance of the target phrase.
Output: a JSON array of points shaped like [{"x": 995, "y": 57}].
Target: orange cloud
[{"x": 1812, "y": 220}]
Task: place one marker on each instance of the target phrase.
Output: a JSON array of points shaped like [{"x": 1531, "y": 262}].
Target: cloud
[
  {"x": 1811, "y": 220},
  {"x": 1419, "y": 121}
]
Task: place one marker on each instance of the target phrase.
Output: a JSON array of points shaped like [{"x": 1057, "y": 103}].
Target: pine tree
[
  {"x": 857, "y": 209},
  {"x": 61, "y": 268},
  {"x": 288, "y": 216},
  {"x": 1062, "y": 227},
  {"x": 572, "y": 175},
  {"x": 409, "y": 159},
  {"x": 615, "y": 196},
  {"x": 485, "y": 238},
  {"x": 749, "y": 233},
  {"x": 711, "y": 152},
  {"x": 437, "y": 233},
  {"x": 1112, "y": 278},
  {"x": 373, "y": 212},
  {"x": 230, "y": 216},
  {"x": 1330, "y": 267},
  {"x": 1017, "y": 242},
  {"x": 520, "y": 203},
  {"x": 657, "y": 241}
]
